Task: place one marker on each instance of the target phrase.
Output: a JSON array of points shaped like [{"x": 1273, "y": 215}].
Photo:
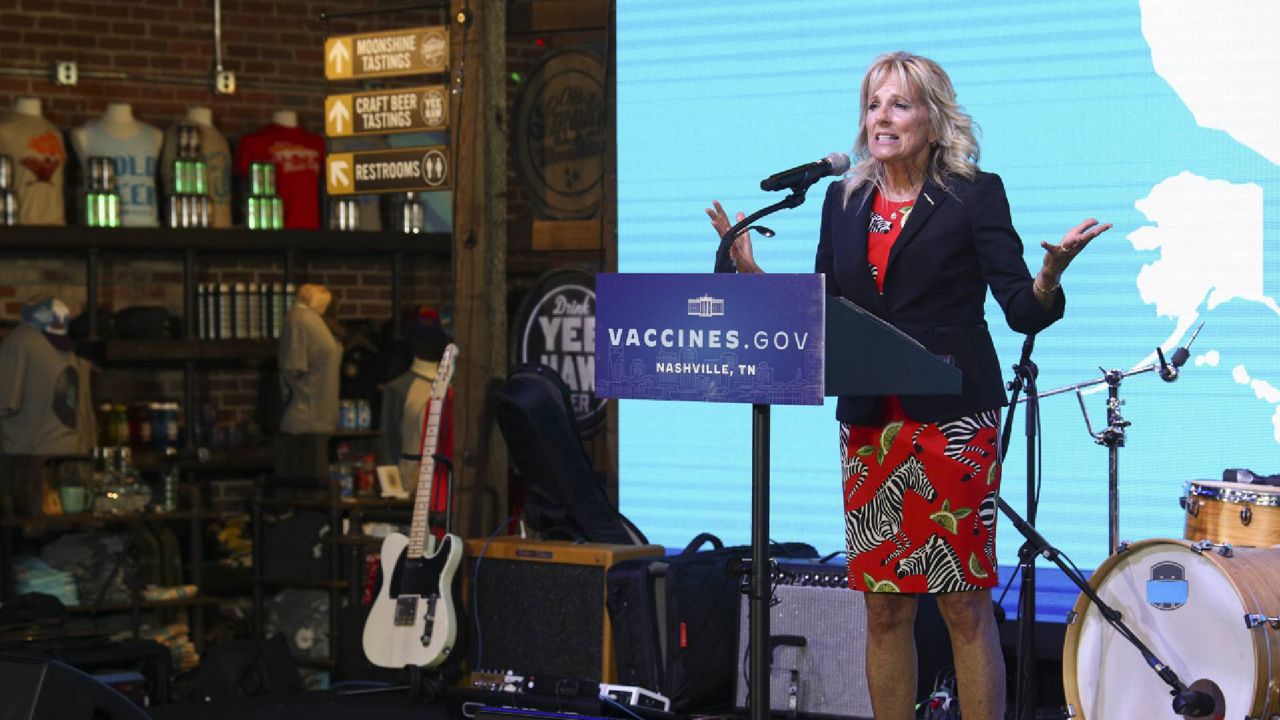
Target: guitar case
[
  {"x": 675, "y": 621},
  {"x": 566, "y": 498}
]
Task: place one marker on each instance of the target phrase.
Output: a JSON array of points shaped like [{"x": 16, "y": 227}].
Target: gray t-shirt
[
  {"x": 39, "y": 390},
  {"x": 309, "y": 360}
]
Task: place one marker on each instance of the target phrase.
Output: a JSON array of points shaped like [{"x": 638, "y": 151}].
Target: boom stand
[{"x": 1113, "y": 436}]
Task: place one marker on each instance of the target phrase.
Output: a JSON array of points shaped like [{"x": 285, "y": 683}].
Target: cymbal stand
[{"x": 1113, "y": 436}]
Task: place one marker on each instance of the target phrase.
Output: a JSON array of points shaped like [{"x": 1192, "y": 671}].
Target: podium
[{"x": 640, "y": 318}]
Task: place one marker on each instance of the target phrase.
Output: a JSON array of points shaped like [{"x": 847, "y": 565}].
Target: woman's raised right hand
[{"x": 741, "y": 252}]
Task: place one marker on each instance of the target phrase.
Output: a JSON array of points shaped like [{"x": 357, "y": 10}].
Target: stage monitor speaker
[
  {"x": 40, "y": 689},
  {"x": 541, "y": 606},
  {"x": 818, "y": 632}
]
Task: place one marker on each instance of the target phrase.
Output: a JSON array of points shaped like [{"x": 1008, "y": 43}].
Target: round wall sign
[{"x": 560, "y": 141}]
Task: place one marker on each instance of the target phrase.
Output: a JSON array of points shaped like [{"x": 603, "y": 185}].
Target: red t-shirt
[{"x": 299, "y": 158}]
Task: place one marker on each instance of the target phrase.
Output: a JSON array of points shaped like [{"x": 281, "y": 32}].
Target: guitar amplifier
[
  {"x": 538, "y": 607},
  {"x": 819, "y": 629},
  {"x": 819, "y": 633}
]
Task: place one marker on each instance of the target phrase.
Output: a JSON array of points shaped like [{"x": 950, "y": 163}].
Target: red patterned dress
[{"x": 919, "y": 498}]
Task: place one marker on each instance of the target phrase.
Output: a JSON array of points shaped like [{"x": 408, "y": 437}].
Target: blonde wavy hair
[{"x": 955, "y": 151}]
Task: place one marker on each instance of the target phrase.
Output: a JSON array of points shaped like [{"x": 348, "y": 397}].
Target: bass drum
[{"x": 1188, "y": 604}]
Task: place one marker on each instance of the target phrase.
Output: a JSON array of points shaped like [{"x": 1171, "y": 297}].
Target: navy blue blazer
[{"x": 955, "y": 246}]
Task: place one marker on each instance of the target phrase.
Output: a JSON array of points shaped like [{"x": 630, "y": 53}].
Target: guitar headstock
[{"x": 444, "y": 373}]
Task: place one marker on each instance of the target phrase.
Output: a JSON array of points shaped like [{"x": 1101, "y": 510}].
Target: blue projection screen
[{"x": 1161, "y": 116}]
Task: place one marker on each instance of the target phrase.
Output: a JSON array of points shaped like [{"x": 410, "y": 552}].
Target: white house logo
[{"x": 706, "y": 306}]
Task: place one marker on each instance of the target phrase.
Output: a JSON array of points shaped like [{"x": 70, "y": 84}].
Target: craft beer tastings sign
[
  {"x": 409, "y": 51},
  {"x": 381, "y": 112},
  {"x": 711, "y": 338}
]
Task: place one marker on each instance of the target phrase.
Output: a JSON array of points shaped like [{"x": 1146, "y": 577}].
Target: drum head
[{"x": 1185, "y": 608}]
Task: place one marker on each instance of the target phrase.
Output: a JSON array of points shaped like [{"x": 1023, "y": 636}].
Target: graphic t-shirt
[
  {"x": 137, "y": 157},
  {"x": 298, "y": 157},
  {"x": 39, "y": 160},
  {"x": 39, "y": 393},
  {"x": 216, "y": 154}
]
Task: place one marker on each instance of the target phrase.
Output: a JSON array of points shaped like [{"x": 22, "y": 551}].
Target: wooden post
[
  {"x": 479, "y": 138},
  {"x": 609, "y": 217}
]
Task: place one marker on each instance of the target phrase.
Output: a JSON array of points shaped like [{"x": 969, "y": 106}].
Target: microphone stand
[
  {"x": 1024, "y": 375},
  {"x": 724, "y": 263},
  {"x": 759, "y": 592}
]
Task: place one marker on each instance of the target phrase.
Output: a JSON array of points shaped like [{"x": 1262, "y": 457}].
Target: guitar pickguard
[
  {"x": 417, "y": 580},
  {"x": 420, "y": 576}
]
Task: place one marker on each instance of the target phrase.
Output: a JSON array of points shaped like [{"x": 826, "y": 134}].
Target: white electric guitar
[{"x": 413, "y": 620}]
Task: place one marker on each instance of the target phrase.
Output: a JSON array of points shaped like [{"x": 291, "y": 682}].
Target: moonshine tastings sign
[
  {"x": 380, "y": 112},
  {"x": 409, "y": 51},
  {"x": 556, "y": 327}
]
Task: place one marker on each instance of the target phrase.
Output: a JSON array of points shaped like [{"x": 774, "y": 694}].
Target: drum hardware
[
  {"x": 1192, "y": 507},
  {"x": 1255, "y": 620},
  {"x": 1113, "y": 437},
  {"x": 1122, "y": 547},
  {"x": 1224, "y": 549},
  {"x": 1246, "y": 515},
  {"x": 1187, "y": 702}
]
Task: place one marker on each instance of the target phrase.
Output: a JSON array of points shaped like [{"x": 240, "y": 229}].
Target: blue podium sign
[{"x": 755, "y": 339}]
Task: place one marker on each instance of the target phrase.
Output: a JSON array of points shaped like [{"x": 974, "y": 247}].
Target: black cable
[{"x": 621, "y": 707}]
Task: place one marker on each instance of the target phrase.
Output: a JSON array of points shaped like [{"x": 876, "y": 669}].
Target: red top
[
  {"x": 887, "y": 219},
  {"x": 298, "y": 156}
]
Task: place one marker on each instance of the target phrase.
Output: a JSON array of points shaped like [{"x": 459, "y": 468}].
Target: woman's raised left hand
[{"x": 1058, "y": 257}]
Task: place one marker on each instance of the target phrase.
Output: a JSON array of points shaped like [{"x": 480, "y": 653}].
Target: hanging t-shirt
[
  {"x": 298, "y": 157},
  {"x": 216, "y": 154},
  {"x": 309, "y": 358},
  {"x": 40, "y": 390},
  {"x": 137, "y": 157},
  {"x": 39, "y": 161}
]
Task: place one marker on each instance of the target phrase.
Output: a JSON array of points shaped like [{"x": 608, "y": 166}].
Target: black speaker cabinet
[
  {"x": 819, "y": 634},
  {"x": 40, "y": 689},
  {"x": 541, "y": 606}
]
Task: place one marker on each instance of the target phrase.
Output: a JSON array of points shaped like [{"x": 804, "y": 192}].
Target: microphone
[
  {"x": 837, "y": 163},
  {"x": 1169, "y": 371},
  {"x": 1169, "y": 368},
  {"x": 1193, "y": 703}
]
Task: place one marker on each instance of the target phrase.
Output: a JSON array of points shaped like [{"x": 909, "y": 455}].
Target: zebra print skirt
[{"x": 920, "y": 503}]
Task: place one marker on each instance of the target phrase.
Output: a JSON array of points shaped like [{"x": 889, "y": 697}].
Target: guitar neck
[{"x": 426, "y": 477}]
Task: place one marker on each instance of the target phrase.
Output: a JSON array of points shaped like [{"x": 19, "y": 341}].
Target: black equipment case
[
  {"x": 566, "y": 498},
  {"x": 675, "y": 620}
]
